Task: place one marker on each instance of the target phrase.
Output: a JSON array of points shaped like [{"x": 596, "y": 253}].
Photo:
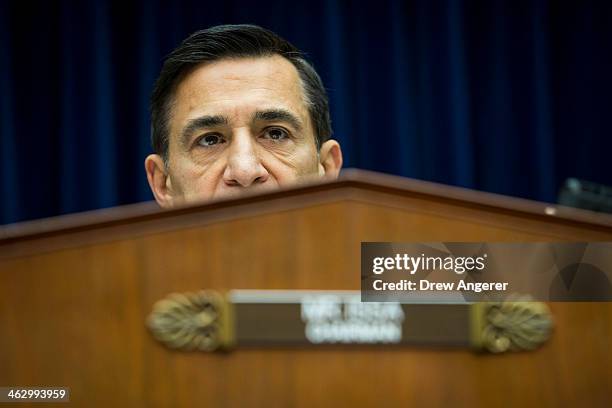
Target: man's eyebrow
[
  {"x": 282, "y": 115},
  {"x": 202, "y": 122}
]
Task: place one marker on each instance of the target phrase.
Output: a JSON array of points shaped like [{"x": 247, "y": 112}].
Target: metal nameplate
[{"x": 209, "y": 320}]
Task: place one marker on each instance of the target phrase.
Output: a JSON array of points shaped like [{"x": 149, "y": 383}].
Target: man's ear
[
  {"x": 330, "y": 160},
  {"x": 159, "y": 180}
]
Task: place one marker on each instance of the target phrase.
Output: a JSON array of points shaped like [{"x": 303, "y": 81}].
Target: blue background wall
[{"x": 510, "y": 97}]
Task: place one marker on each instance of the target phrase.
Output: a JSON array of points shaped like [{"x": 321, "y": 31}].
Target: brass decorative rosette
[
  {"x": 511, "y": 325},
  {"x": 192, "y": 321}
]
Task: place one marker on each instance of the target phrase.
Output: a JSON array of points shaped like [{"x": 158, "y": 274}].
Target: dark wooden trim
[
  {"x": 350, "y": 178},
  {"x": 475, "y": 199}
]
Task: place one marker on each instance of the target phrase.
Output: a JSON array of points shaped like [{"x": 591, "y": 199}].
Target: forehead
[{"x": 235, "y": 87}]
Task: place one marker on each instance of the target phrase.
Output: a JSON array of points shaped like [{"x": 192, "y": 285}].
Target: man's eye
[
  {"x": 276, "y": 134},
  {"x": 210, "y": 140}
]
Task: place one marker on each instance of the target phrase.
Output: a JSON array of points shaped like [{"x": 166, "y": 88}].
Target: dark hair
[{"x": 233, "y": 41}]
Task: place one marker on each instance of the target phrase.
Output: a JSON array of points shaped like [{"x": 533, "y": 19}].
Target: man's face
[{"x": 238, "y": 125}]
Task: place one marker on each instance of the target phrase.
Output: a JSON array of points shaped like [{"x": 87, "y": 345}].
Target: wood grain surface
[{"x": 74, "y": 297}]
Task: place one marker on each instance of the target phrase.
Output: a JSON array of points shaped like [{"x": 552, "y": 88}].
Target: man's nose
[{"x": 244, "y": 167}]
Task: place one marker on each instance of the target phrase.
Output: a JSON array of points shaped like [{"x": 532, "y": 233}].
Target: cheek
[
  {"x": 308, "y": 160},
  {"x": 195, "y": 181},
  {"x": 303, "y": 162}
]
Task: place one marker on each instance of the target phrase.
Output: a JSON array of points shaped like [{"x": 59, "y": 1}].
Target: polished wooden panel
[{"x": 75, "y": 292}]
